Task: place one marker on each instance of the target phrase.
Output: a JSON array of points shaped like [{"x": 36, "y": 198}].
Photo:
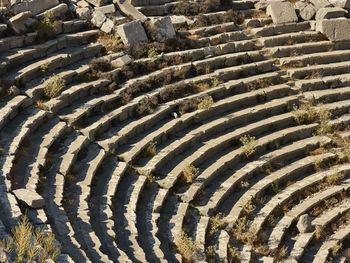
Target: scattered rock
[
  {"x": 107, "y": 26},
  {"x": 107, "y": 9},
  {"x": 337, "y": 29},
  {"x": 161, "y": 28},
  {"x": 98, "y": 18},
  {"x": 122, "y": 61},
  {"x": 181, "y": 20},
  {"x": 128, "y": 9},
  {"x": 304, "y": 223},
  {"x": 83, "y": 4},
  {"x": 31, "y": 198},
  {"x": 17, "y": 22},
  {"x": 55, "y": 12},
  {"x": 320, "y": 3},
  {"x": 83, "y": 13},
  {"x": 4, "y": 256},
  {"x": 330, "y": 12},
  {"x": 132, "y": 33},
  {"x": 308, "y": 12},
  {"x": 282, "y": 12},
  {"x": 35, "y": 6}
]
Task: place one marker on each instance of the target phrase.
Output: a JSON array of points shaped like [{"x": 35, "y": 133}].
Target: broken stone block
[
  {"x": 31, "y": 198},
  {"x": 161, "y": 28},
  {"x": 83, "y": 4},
  {"x": 122, "y": 61},
  {"x": 35, "y": 7},
  {"x": 282, "y": 12},
  {"x": 98, "y": 18},
  {"x": 17, "y": 22},
  {"x": 330, "y": 12},
  {"x": 341, "y": 3},
  {"x": 320, "y": 3},
  {"x": 83, "y": 13},
  {"x": 132, "y": 33},
  {"x": 107, "y": 9},
  {"x": 97, "y": 2},
  {"x": 55, "y": 12},
  {"x": 304, "y": 223},
  {"x": 181, "y": 20},
  {"x": 107, "y": 26},
  {"x": 337, "y": 29},
  {"x": 308, "y": 12}
]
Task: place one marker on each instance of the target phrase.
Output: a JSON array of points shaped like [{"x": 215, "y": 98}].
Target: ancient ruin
[{"x": 174, "y": 131}]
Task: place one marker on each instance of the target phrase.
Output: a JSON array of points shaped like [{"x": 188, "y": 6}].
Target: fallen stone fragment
[
  {"x": 132, "y": 33},
  {"x": 122, "y": 61},
  {"x": 336, "y": 29},
  {"x": 31, "y": 198},
  {"x": 161, "y": 28},
  {"x": 107, "y": 26},
  {"x": 98, "y": 18},
  {"x": 282, "y": 12},
  {"x": 304, "y": 223},
  {"x": 17, "y": 22},
  {"x": 308, "y": 12},
  {"x": 330, "y": 12}
]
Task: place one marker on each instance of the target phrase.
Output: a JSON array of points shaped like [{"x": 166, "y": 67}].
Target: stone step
[
  {"x": 328, "y": 95},
  {"x": 286, "y": 221},
  {"x": 318, "y": 58},
  {"x": 55, "y": 61},
  {"x": 339, "y": 236},
  {"x": 213, "y": 127},
  {"x": 273, "y": 30},
  {"x": 227, "y": 161},
  {"x": 248, "y": 170},
  {"x": 12, "y": 108},
  {"x": 73, "y": 93},
  {"x": 287, "y": 194},
  {"x": 319, "y": 70},
  {"x": 289, "y": 39},
  {"x": 323, "y": 220},
  {"x": 16, "y": 57},
  {"x": 327, "y": 82}
]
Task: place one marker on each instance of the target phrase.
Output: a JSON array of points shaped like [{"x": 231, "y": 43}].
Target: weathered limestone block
[
  {"x": 304, "y": 223},
  {"x": 35, "y": 6},
  {"x": 17, "y": 22},
  {"x": 181, "y": 20},
  {"x": 128, "y": 9},
  {"x": 308, "y": 12},
  {"x": 282, "y": 12},
  {"x": 98, "y": 18},
  {"x": 83, "y": 4},
  {"x": 337, "y": 29},
  {"x": 107, "y": 26},
  {"x": 330, "y": 12},
  {"x": 320, "y": 3},
  {"x": 83, "y": 13},
  {"x": 341, "y": 3},
  {"x": 122, "y": 61},
  {"x": 132, "y": 33},
  {"x": 31, "y": 198},
  {"x": 161, "y": 28},
  {"x": 55, "y": 12},
  {"x": 97, "y": 2},
  {"x": 107, "y": 9}
]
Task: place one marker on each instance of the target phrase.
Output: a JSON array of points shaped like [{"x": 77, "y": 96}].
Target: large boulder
[
  {"x": 161, "y": 28},
  {"x": 132, "y": 32},
  {"x": 17, "y": 22},
  {"x": 35, "y": 6},
  {"x": 30, "y": 198},
  {"x": 282, "y": 12},
  {"x": 330, "y": 12},
  {"x": 337, "y": 29},
  {"x": 304, "y": 223}
]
